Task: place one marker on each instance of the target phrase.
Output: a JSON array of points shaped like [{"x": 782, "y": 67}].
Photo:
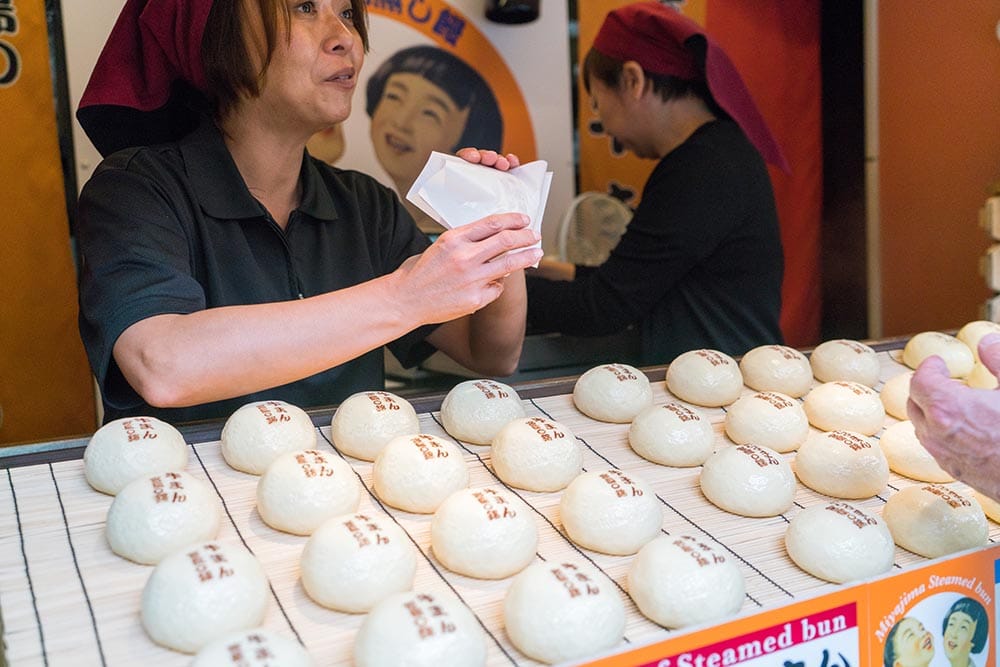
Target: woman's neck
[
  {"x": 268, "y": 161},
  {"x": 683, "y": 117}
]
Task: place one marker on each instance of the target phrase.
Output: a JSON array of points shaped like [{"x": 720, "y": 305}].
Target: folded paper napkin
[{"x": 455, "y": 192}]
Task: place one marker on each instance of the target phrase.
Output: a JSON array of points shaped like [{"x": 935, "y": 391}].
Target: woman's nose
[{"x": 339, "y": 35}]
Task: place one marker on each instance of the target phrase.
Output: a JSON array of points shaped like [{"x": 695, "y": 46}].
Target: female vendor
[
  {"x": 222, "y": 264},
  {"x": 700, "y": 264}
]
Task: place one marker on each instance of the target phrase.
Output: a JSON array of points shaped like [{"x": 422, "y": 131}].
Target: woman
[
  {"x": 424, "y": 99},
  {"x": 908, "y": 644},
  {"x": 700, "y": 264},
  {"x": 227, "y": 265},
  {"x": 965, "y": 628}
]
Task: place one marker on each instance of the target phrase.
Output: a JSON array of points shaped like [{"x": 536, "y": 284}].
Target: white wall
[{"x": 86, "y": 24}]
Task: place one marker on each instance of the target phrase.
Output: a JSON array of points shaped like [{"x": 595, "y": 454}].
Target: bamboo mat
[{"x": 66, "y": 599}]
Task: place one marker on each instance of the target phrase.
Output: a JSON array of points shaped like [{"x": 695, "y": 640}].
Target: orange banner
[{"x": 46, "y": 391}]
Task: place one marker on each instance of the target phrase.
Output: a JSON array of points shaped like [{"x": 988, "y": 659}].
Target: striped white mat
[{"x": 66, "y": 599}]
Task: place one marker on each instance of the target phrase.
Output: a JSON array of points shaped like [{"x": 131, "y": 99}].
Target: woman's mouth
[{"x": 344, "y": 77}]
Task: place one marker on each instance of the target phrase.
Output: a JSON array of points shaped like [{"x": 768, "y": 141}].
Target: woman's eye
[{"x": 305, "y": 8}]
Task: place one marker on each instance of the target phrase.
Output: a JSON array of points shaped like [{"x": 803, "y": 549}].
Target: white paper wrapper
[{"x": 455, "y": 192}]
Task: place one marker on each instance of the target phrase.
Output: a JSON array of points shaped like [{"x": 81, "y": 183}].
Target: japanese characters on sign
[
  {"x": 445, "y": 23},
  {"x": 10, "y": 59}
]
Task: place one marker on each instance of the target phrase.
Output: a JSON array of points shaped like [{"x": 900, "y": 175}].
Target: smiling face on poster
[
  {"x": 943, "y": 630},
  {"x": 440, "y": 77},
  {"x": 425, "y": 99}
]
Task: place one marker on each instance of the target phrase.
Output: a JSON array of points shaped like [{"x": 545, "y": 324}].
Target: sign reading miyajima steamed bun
[{"x": 439, "y": 76}]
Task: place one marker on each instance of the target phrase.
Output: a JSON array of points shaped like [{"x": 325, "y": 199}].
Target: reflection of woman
[
  {"x": 909, "y": 644},
  {"x": 424, "y": 99},
  {"x": 965, "y": 628},
  {"x": 700, "y": 264}
]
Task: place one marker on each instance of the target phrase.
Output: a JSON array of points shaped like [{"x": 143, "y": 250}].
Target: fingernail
[{"x": 525, "y": 219}]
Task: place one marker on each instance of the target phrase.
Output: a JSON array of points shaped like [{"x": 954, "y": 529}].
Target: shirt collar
[
  {"x": 221, "y": 191},
  {"x": 317, "y": 200}
]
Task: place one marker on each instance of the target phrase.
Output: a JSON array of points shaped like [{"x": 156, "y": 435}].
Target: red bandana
[
  {"x": 659, "y": 37},
  {"x": 153, "y": 45}
]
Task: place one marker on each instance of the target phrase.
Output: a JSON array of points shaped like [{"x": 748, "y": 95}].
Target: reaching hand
[
  {"x": 489, "y": 158},
  {"x": 959, "y": 425}
]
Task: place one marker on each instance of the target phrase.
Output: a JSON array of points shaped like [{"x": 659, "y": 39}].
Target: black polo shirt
[{"x": 174, "y": 229}]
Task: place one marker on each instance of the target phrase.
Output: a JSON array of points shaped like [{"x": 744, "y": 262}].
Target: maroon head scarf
[
  {"x": 662, "y": 40},
  {"x": 148, "y": 73}
]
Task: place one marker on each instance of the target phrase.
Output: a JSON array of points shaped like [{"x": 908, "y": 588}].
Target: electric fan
[{"x": 591, "y": 227}]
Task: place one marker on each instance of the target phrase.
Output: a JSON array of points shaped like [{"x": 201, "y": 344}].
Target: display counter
[{"x": 66, "y": 599}]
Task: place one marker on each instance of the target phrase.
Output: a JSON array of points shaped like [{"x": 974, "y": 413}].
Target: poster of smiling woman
[{"x": 439, "y": 76}]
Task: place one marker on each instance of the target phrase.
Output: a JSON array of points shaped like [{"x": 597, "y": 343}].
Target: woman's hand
[
  {"x": 463, "y": 270},
  {"x": 489, "y": 158}
]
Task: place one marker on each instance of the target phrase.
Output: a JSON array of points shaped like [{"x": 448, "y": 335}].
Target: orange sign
[
  {"x": 851, "y": 627},
  {"x": 46, "y": 391}
]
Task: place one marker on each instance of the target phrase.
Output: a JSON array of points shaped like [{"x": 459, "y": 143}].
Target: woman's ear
[{"x": 633, "y": 79}]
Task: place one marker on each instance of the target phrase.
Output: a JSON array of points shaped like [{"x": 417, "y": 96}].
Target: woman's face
[
  {"x": 913, "y": 643},
  {"x": 312, "y": 75},
  {"x": 958, "y": 635},
  {"x": 607, "y": 102},
  {"x": 413, "y": 118}
]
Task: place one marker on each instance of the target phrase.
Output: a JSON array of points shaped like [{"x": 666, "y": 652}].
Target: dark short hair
[
  {"x": 226, "y": 48},
  {"x": 977, "y": 613},
  {"x": 463, "y": 84},
  {"x": 608, "y": 71},
  {"x": 889, "y": 650}
]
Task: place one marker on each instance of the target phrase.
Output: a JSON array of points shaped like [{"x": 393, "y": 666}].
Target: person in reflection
[
  {"x": 700, "y": 264},
  {"x": 965, "y": 628},
  {"x": 908, "y": 644},
  {"x": 222, "y": 264},
  {"x": 957, "y": 424},
  {"x": 425, "y": 99}
]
